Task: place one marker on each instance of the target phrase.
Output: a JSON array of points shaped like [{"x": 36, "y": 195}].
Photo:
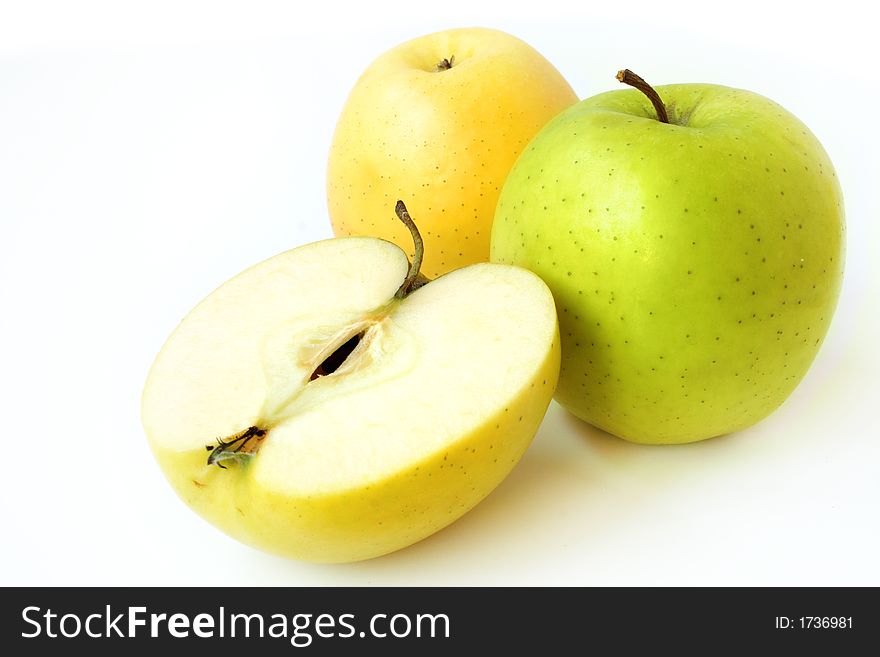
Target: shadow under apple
[{"x": 574, "y": 482}]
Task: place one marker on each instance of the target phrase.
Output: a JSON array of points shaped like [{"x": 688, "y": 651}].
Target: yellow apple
[
  {"x": 439, "y": 121},
  {"x": 309, "y": 408}
]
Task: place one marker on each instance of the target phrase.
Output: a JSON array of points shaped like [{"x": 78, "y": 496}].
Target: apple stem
[
  {"x": 446, "y": 64},
  {"x": 628, "y": 77},
  {"x": 414, "y": 279}
]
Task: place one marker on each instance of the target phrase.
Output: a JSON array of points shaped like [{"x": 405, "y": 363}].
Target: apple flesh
[
  {"x": 439, "y": 120},
  {"x": 374, "y": 421},
  {"x": 696, "y": 265}
]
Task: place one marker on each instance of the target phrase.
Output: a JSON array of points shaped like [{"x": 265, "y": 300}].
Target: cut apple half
[{"x": 307, "y": 408}]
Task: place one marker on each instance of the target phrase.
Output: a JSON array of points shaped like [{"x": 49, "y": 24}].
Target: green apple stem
[
  {"x": 414, "y": 279},
  {"x": 446, "y": 64},
  {"x": 628, "y": 77},
  {"x": 234, "y": 448}
]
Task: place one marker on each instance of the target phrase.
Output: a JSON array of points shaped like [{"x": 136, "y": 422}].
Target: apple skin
[
  {"x": 367, "y": 522},
  {"x": 443, "y": 141},
  {"x": 310, "y": 492},
  {"x": 695, "y": 265}
]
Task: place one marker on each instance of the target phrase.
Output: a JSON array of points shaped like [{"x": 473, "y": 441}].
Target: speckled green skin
[{"x": 695, "y": 265}]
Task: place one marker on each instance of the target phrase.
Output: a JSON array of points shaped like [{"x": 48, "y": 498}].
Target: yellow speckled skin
[
  {"x": 442, "y": 141},
  {"x": 695, "y": 266},
  {"x": 434, "y": 407},
  {"x": 366, "y": 522}
]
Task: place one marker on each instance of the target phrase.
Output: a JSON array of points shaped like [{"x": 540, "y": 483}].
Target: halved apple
[{"x": 313, "y": 406}]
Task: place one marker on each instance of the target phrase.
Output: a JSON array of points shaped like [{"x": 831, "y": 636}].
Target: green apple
[
  {"x": 695, "y": 264},
  {"x": 317, "y": 407},
  {"x": 439, "y": 119}
]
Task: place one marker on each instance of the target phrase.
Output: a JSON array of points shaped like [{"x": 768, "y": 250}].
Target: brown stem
[
  {"x": 412, "y": 276},
  {"x": 446, "y": 64},
  {"x": 628, "y": 77}
]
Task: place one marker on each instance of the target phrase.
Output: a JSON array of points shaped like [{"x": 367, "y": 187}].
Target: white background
[{"x": 148, "y": 152}]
